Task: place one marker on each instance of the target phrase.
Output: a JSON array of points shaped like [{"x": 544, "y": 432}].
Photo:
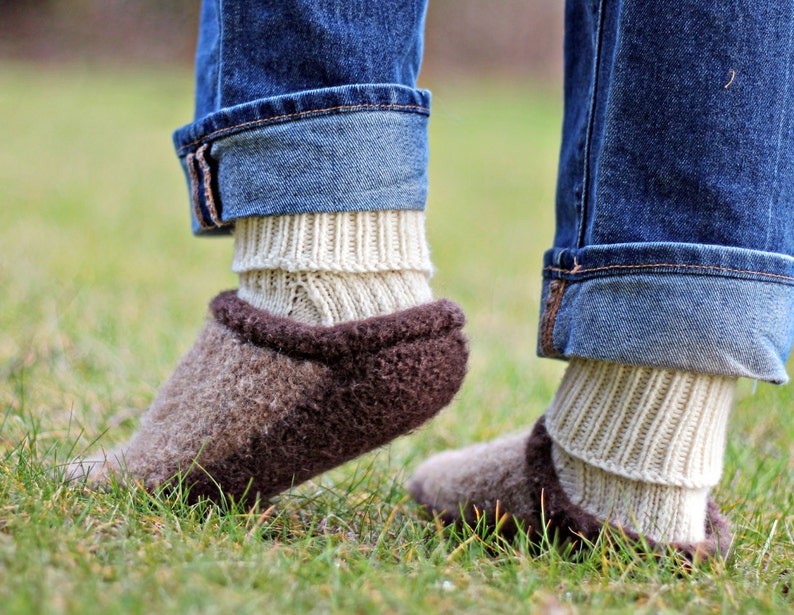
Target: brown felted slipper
[
  {"x": 261, "y": 403},
  {"x": 512, "y": 481}
]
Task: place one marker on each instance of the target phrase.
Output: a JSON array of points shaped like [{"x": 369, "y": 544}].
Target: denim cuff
[
  {"x": 349, "y": 148},
  {"x": 707, "y": 309}
]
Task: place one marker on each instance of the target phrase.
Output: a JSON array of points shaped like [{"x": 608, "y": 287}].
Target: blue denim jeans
[
  {"x": 675, "y": 235},
  {"x": 306, "y": 106}
]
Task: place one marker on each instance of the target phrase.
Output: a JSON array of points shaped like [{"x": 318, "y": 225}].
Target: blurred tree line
[{"x": 515, "y": 37}]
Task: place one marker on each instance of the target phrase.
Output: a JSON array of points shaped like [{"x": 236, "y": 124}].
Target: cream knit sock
[
  {"x": 640, "y": 447},
  {"x": 322, "y": 269}
]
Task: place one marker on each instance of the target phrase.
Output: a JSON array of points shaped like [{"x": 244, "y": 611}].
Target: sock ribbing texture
[
  {"x": 333, "y": 267},
  {"x": 663, "y": 512},
  {"x": 325, "y": 298},
  {"x": 639, "y": 446}
]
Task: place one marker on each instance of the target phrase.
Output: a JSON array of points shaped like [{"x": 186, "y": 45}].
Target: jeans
[
  {"x": 674, "y": 245},
  {"x": 306, "y": 106}
]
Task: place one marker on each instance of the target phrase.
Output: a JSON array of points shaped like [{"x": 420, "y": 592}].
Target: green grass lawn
[{"x": 102, "y": 288}]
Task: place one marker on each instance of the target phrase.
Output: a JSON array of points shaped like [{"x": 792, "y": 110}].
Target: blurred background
[
  {"x": 507, "y": 37},
  {"x": 103, "y": 288}
]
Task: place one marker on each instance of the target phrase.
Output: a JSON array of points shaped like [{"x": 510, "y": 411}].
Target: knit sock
[
  {"x": 327, "y": 268},
  {"x": 640, "y": 447}
]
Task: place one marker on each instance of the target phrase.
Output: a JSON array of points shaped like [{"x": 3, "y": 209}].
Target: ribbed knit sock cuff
[
  {"x": 640, "y": 445},
  {"x": 642, "y": 423},
  {"x": 347, "y": 242},
  {"x": 330, "y": 268},
  {"x": 663, "y": 512},
  {"x": 322, "y": 298}
]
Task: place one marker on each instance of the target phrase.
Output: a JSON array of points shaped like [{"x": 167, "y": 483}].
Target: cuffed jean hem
[
  {"x": 698, "y": 308},
  {"x": 349, "y": 148}
]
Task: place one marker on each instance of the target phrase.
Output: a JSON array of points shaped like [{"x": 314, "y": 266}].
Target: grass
[{"x": 102, "y": 288}]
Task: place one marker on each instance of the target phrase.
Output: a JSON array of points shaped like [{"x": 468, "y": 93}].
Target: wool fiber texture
[{"x": 261, "y": 403}]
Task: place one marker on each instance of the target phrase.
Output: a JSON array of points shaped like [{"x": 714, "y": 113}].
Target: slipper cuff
[{"x": 321, "y": 343}]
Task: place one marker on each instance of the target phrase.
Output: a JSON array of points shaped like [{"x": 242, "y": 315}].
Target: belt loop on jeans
[{"x": 203, "y": 193}]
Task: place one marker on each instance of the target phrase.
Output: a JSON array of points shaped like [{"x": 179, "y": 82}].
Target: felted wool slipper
[
  {"x": 261, "y": 403},
  {"x": 512, "y": 481}
]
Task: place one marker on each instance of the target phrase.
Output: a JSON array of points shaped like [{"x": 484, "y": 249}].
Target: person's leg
[
  {"x": 672, "y": 272},
  {"x": 310, "y": 143},
  {"x": 316, "y": 149}
]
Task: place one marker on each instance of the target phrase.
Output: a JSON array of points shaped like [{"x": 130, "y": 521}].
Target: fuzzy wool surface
[
  {"x": 512, "y": 481},
  {"x": 261, "y": 403}
]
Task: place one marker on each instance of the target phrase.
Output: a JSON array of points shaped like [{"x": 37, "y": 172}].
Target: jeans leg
[
  {"x": 306, "y": 106},
  {"x": 675, "y": 236}
]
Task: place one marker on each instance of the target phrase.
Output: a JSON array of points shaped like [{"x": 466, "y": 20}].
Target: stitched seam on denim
[
  {"x": 190, "y": 161},
  {"x": 590, "y": 127},
  {"x": 552, "y": 307},
  {"x": 783, "y": 118},
  {"x": 285, "y": 116},
  {"x": 209, "y": 197},
  {"x": 578, "y": 270}
]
